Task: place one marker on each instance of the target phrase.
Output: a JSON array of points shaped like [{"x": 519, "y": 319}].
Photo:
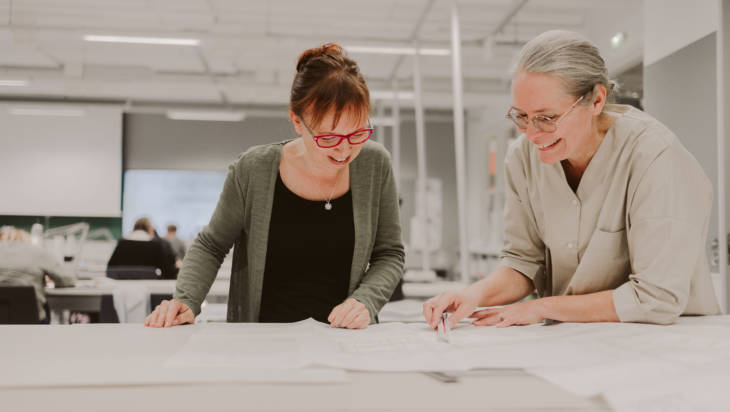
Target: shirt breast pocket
[{"x": 605, "y": 264}]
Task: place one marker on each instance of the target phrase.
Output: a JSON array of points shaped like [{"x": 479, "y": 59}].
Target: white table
[{"x": 98, "y": 350}]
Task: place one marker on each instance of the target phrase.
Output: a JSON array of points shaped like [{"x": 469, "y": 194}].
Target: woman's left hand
[
  {"x": 349, "y": 314},
  {"x": 524, "y": 313}
]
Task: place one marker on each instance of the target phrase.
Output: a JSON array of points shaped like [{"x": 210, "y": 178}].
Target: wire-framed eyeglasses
[
  {"x": 331, "y": 140},
  {"x": 547, "y": 124}
]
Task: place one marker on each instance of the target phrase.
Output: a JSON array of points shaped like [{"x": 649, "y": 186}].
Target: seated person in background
[
  {"x": 178, "y": 246},
  {"x": 143, "y": 248},
  {"x": 23, "y": 264}
]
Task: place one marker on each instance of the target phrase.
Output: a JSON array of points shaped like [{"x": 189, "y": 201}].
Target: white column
[
  {"x": 380, "y": 127},
  {"x": 421, "y": 159},
  {"x": 395, "y": 135},
  {"x": 723, "y": 91},
  {"x": 459, "y": 141}
]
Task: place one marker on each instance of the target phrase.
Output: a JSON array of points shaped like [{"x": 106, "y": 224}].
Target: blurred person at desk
[
  {"x": 142, "y": 247},
  {"x": 606, "y": 213},
  {"x": 24, "y": 264},
  {"x": 178, "y": 246},
  {"x": 314, "y": 220}
]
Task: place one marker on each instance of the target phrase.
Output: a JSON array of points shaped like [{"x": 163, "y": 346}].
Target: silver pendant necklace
[{"x": 328, "y": 201}]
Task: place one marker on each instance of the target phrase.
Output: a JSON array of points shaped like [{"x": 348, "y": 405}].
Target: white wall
[
  {"x": 152, "y": 141},
  {"x": 65, "y": 164},
  {"x": 603, "y": 22},
  {"x": 671, "y": 25}
]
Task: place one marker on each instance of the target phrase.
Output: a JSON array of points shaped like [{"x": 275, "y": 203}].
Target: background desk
[
  {"x": 219, "y": 288},
  {"x": 96, "y": 295},
  {"x": 62, "y": 349}
]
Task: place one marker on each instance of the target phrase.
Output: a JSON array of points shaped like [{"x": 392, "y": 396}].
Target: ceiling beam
[
  {"x": 413, "y": 37},
  {"x": 510, "y": 15}
]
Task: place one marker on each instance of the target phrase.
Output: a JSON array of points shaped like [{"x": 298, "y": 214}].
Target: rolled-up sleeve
[
  {"x": 667, "y": 226},
  {"x": 524, "y": 250}
]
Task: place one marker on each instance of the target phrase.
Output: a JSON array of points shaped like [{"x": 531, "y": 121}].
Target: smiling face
[
  {"x": 337, "y": 157},
  {"x": 539, "y": 94}
]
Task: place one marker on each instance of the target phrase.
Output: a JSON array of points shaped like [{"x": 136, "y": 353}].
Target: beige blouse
[{"x": 636, "y": 225}]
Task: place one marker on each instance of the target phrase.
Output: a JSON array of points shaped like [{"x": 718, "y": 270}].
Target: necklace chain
[{"x": 328, "y": 200}]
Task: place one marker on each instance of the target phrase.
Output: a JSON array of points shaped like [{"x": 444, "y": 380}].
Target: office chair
[
  {"x": 18, "y": 305},
  {"x": 156, "y": 253}
]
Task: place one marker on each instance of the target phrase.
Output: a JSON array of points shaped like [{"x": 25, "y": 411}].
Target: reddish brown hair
[{"x": 328, "y": 80}]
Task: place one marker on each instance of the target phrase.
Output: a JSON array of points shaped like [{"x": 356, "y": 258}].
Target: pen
[
  {"x": 443, "y": 328},
  {"x": 442, "y": 377},
  {"x": 548, "y": 322}
]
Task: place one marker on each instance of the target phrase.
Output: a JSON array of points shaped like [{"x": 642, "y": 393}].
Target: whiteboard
[
  {"x": 186, "y": 198},
  {"x": 60, "y": 160}
]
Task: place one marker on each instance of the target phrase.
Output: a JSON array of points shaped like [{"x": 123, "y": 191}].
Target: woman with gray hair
[{"x": 606, "y": 212}]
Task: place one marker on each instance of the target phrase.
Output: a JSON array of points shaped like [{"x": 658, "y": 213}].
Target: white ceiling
[{"x": 249, "y": 48}]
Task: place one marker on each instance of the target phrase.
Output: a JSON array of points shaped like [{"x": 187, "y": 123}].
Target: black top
[{"x": 309, "y": 257}]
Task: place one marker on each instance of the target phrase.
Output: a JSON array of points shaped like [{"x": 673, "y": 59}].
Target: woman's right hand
[
  {"x": 461, "y": 303},
  {"x": 170, "y": 313}
]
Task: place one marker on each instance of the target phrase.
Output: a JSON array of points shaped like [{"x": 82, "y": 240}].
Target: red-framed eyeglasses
[{"x": 327, "y": 141}]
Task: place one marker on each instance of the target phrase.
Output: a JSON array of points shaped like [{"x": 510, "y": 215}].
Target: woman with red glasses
[
  {"x": 606, "y": 212},
  {"x": 314, "y": 221}
]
